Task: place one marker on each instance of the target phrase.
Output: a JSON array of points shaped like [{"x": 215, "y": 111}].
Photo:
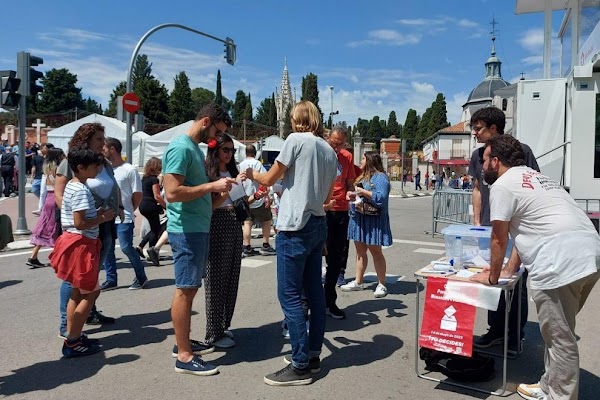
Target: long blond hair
[{"x": 373, "y": 164}]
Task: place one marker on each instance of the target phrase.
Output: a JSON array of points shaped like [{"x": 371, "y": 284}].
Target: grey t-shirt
[
  {"x": 476, "y": 171},
  {"x": 311, "y": 169}
]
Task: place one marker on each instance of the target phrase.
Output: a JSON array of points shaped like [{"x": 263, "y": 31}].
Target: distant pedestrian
[
  {"x": 418, "y": 180},
  {"x": 152, "y": 206}
]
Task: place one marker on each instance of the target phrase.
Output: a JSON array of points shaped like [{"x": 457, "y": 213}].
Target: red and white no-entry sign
[{"x": 131, "y": 102}]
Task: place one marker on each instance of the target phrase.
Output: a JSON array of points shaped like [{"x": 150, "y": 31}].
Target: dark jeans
[
  {"x": 337, "y": 251},
  {"x": 418, "y": 184},
  {"x": 8, "y": 175},
  {"x": 150, "y": 211},
  {"x": 299, "y": 261},
  {"x": 496, "y": 318}
]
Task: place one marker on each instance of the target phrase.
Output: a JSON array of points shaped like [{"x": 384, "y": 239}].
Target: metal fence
[{"x": 451, "y": 206}]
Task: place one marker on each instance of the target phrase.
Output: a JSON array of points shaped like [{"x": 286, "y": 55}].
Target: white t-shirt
[
  {"x": 556, "y": 241},
  {"x": 227, "y": 201},
  {"x": 78, "y": 197},
  {"x": 101, "y": 185},
  {"x": 251, "y": 186},
  {"x": 311, "y": 169},
  {"x": 129, "y": 182}
]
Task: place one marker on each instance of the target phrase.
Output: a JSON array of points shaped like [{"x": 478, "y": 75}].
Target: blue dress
[{"x": 371, "y": 229}]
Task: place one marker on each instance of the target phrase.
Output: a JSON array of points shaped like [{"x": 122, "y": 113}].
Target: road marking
[
  {"x": 248, "y": 263},
  {"x": 429, "y": 251},
  {"x": 435, "y": 244}
]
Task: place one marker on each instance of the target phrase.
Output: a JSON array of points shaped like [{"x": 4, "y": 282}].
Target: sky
[{"x": 379, "y": 56}]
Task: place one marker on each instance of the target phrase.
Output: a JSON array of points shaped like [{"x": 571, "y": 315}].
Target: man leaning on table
[{"x": 557, "y": 244}]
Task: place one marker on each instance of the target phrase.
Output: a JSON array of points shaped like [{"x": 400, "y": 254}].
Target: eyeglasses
[
  {"x": 477, "y": 129},
  {"x": 228, "y": 150}
]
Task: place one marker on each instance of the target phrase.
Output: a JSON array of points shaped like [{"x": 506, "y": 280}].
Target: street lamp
[
  {"x": 331, "y": 113},
  {"x": 230, "y": 49}
]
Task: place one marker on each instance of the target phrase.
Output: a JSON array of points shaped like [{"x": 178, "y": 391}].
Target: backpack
[
  {"x": 8, "y": 159},
  {"x": 478, "y": 368},
  {"x": 6, "y": 234}
]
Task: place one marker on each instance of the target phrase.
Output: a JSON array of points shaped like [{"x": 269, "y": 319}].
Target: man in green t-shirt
[{"x": 189, "y": 209}]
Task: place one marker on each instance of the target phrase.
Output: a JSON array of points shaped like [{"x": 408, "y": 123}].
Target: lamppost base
[{"x": 22, "y": 232}]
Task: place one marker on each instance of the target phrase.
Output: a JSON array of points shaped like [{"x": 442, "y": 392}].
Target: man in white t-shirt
[
  {"x": 128, "y": 180},
  {"x": 557, "y": 244}
]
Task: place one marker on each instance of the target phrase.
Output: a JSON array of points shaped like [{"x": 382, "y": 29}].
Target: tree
[
  {"x": 263, "y": 112},
  {"x": 239, "y": 106},
  {"x": 119, "y": 90},
  {"x": 362, "y": 127},
  {"x": 153, "y": 95},
  {"x": 423, "y": 131},
  {"x": 375, "y": 130},
  {"x": 273, "y": 112},
  {"x": 248, "y": 109},
  {"x": 60, "y": 93},
  {"x": 201, "y": 97},
  {"x": 287, "y": 121},
  {"x": 310, "y": 90},
  {"x": 409, "y": 131},
  {"x": 218, "y": 94},
  {"x": 181, "y": 106},
  {"x": 92, "y": 106},
  {"x": 393, "y": 128},
  {"x": 439, "y": 114}
]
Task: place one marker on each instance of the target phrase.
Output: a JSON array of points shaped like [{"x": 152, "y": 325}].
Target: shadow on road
[
  {"x": 363, "y": 314},
  {"x": 9, "y": 283},
  {"x": 49, "y": 375}
]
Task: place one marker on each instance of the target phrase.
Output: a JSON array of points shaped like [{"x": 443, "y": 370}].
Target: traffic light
[
  {"x": 10, "y": 85},
  {"x": 28, "y": 75},
  {"x": 230, "y": 51}
]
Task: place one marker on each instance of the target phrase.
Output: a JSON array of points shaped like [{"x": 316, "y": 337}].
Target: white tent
[
  {"x": 114, "y": 128},
  {"x": 155, "y": 146}
]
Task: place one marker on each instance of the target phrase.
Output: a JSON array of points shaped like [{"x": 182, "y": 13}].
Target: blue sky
[{"x": 379, "y": 56}]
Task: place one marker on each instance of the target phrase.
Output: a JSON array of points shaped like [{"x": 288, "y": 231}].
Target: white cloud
[
  {"x": 454, "y": 106},
  {"x": 387, "y": 37},
  {"x": 465, "y": 23},
  {"x": 422, "y": 21},
  {"x": 422, "y": 87}
]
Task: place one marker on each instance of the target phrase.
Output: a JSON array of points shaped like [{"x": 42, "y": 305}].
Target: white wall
[{"x": 445, "y": 146}]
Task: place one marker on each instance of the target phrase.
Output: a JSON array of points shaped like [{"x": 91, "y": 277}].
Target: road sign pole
[{"x": 21, "y": 220}]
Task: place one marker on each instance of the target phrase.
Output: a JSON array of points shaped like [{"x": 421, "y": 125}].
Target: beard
[{"x": 490, "y": 176}]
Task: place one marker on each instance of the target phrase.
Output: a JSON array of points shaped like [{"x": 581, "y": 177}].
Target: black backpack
[
  {"x": 478, "y": 368},
  {"x": 8, "y": 159}
]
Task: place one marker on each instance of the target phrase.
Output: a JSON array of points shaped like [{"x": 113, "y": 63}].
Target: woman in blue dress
[{"x": 370, "y": 232}]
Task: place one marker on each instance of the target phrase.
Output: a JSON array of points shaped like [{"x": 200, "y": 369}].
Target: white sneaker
[
  {"x": 531, "y": 392},
  {"x": 352, "y": 286},
  {"x": 380, "y": 291},
  {"x": 224, "y": 343}
]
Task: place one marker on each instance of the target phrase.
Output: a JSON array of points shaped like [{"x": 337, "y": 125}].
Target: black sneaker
[
  {"x": 80, "y": 348},
  {"x": 198, "y": 348},
  {"x": 106, "y": 286},
  {"x": 138, "y": 285},
  {"x": 96, "y": 318},
  {"x": 267, "y": 250},
  {"x": 488, "y": 340},
  {"x": 140, "y": 252},
  {"x": 514, "y": 349},
  {"x": 153, "y": 256},
  {"x": 249, "y": 252},
  {"x": 84, "y": 337},
  {"x": 335, "y": 312},
  {"x": 289, "y": 376},
  {"x": 314, "y": 364},
  {"x": 196, "y": 366},
  {"x": 34, "y": 263}
]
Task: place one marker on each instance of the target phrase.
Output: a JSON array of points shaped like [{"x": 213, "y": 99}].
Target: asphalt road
[{"x": 369, "y": 355}]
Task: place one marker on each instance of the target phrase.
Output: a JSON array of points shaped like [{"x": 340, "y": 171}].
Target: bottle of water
[{"x": 455, "y": 252}]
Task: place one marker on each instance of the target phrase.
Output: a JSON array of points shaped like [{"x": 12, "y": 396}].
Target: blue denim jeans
[
  {"x": 299, "y": 261},
  {"x": 35, "y": 187},
  {"x": 125, "y": 235},
  {"x": 108, "y": 247}
]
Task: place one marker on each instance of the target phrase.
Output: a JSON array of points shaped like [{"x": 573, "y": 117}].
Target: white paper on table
[
  {"x": 463, "y": 273},
  {"x": 237, "y": 191},
  {"x": 473, "y": 293},
  {"x": 478, "y": 261}
]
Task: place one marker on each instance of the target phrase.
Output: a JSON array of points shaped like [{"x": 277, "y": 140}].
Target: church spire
[
  {"x": 493, "y": 64},
  {"x": 285, "y": 99}
]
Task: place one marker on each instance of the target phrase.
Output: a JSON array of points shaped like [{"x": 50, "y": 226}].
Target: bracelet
[
  {"x": 256, "y": 198},
  {"x": 490, "y": 282}
]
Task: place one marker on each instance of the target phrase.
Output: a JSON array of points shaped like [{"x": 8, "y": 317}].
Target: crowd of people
[{"x": 323, "y": 201}]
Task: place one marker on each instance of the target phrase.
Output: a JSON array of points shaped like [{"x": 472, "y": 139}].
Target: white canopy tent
[
  {"x": 114, "y": 128},
  {"x": 155, "y": 146}
]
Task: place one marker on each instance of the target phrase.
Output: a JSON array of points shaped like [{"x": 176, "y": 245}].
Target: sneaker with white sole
[
  {"x": 314, "y": 363},
  {"x": 531, "y": 391},
  {"x": 267, "y": 250},
  {"x": 196, "y": 366},
  {"x": 289, "y": 376},
  {"x": 380, "y": 291},
  {"x": 224, "y": 343},
  {"x": 352, "y": 286}
]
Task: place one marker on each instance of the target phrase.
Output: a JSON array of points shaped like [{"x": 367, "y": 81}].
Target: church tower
[{"x": 283, "y": 98}]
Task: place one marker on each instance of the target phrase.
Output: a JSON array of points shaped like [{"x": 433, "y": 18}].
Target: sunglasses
[{"x": 228, "y": 150}]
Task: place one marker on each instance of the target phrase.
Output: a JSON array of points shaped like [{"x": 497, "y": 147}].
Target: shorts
[
  {"x": 190, "y": 255},
  {"x": 260, "y": 214}
]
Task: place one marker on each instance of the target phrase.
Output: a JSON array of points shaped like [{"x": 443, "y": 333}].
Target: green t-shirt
[{"x": 184, "y": 157}]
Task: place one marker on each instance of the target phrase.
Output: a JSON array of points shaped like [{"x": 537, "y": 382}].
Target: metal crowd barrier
[{"x": 451, "y": 206}]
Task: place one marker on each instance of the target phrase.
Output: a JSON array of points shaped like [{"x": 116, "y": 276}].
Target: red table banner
[{"x": 447, "y": 325}]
